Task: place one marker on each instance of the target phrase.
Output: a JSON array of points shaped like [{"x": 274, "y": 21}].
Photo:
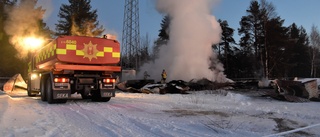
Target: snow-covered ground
[{"x": 199, "y": 114}]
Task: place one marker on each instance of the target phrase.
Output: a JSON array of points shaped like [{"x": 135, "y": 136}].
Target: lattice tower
[{"x": 130, "y": 36}]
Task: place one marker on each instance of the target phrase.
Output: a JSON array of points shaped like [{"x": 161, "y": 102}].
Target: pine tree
[
  {"x": 78, "y": 19},
  {"x": 262, "y": 32},
  {"x": 226, "y": 41},
  {"x": 298, "y": 39},
  {"x": 163, "y": 36},
  {"x": 278, "y": 48},
  {"x": 251, "y": 32},
  {"x": 164, "y": 31}
]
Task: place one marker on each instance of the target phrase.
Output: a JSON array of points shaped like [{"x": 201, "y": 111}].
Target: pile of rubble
[
  {"x": 286, "y": 90},
  {"x": 172, "y": 87},
  {"x": 294, "y": 91}
]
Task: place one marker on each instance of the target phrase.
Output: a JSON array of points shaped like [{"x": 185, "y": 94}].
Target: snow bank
[{"x": 204, "y": 113}]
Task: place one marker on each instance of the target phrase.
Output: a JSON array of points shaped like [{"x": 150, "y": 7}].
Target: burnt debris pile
[
  {"x": 205, "y": 84},
  {"x": 171, "y": 87}
]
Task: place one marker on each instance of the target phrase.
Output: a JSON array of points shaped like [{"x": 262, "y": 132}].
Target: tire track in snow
[
  {"x": 78, "y": 121},
  {"x": 92, "y": 119},
  {"x": 119, "y": 121},
  {"x": 121, "y": 118},
  {"x": 156, "y": 130},
  {"x": 145, "y": 124},
  {"x": 3, "y": 106},
  {"x": 21, "y": 117}
]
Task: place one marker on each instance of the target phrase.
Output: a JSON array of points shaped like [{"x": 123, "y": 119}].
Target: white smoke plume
[
  {"x": 187, "y": 54},
  {"x": 23, "y": 22}
]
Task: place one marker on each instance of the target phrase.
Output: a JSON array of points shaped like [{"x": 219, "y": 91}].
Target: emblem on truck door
[{"x": 90, "y": 50}]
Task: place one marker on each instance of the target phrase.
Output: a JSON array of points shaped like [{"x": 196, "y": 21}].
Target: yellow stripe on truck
[
  {"x": 100, "y": 54},
  {"x": 79, "y": 53},
  {"x": 48, "y": 52},
  {"x": 52, "y": 50},
  {"x": 61, "y": 51},
  {"x": 116, "y": 54},
  {"x": 107, "y": 49},
  {"x": 71, "y": 47}
]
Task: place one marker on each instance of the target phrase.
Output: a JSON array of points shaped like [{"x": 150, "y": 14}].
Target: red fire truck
[{"x": 75, "y": 64}]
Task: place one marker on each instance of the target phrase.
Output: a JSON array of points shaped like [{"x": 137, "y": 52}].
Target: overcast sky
[{"x": 110, "y": 13}]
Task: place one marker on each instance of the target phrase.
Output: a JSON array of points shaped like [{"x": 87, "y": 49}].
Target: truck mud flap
[
  {"x": 61, "y": 94},
  {"x": 107, "y": 93}
]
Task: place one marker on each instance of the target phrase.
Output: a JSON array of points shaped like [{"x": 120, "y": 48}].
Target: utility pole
[{"x": 131, "y": 36}]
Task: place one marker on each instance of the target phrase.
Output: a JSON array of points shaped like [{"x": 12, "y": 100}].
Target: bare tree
[
  {"x": 315, "y": 46},
  {"x": 268, "y": 9}
]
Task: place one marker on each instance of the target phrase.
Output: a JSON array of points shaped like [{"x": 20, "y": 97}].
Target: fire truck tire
[
  {"x": 96, "y": 97},
  {"x": 100, "y": 99},
  {"x": 61, "y": 101},
  {"x": 30, "y": 94},
  {"x": 105, "y": 99},
  {"x": 49, "y": 91},
  {"x": 49, "y": 94},
  {"x": 43, "y": 90}
]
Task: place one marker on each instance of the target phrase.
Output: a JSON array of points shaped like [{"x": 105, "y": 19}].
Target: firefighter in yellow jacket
[{"x": 163, "y": 76}]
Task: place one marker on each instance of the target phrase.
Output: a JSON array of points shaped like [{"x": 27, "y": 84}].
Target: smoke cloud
[
  {"x": 192, "y": 32},
  {"x": 21, "y": 23}
]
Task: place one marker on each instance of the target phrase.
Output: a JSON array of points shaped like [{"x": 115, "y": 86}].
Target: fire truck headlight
[{"x": 34, "y": 76}]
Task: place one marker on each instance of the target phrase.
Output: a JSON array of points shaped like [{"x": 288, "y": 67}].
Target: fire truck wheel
[
  {"x": 43, "y": 90},
  {"x": 100, "y": 99},
  {"x": 61, "y": 101},
  {"x": 30, "y": 94},
  {"x": 105, "y": 99},
  {"x": 29, "y": 89},
  {"x": 96, "y": 97},
  {"x": 49, "y": 91}
]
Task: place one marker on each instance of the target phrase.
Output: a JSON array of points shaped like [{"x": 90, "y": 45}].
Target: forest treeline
[{"x": 266, "y": 47}]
